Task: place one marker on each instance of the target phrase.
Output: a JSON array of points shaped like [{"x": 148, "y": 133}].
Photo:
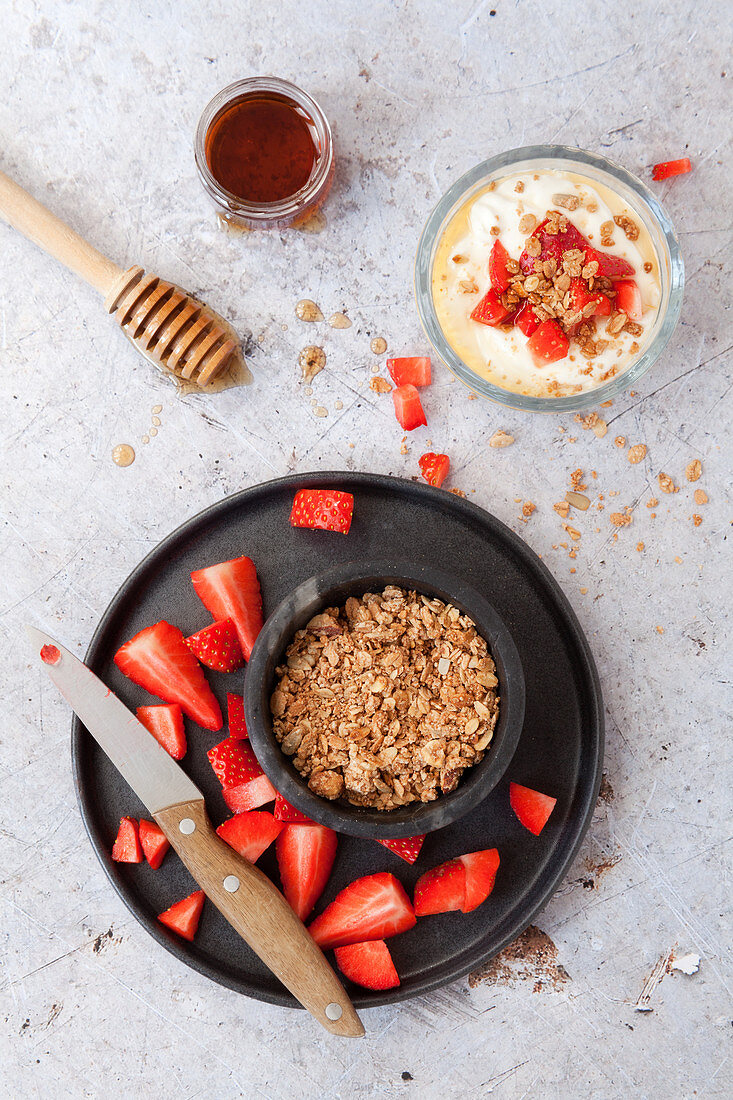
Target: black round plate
[{"x": 560, "y": 751}]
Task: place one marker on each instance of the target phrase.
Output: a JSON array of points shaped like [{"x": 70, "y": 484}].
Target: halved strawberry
[
  {"x": 234, "y": 762},
  {"x": 548, "y": 344},
  {"x": 235, "y": 716},
  {"x": 628, "y": 299},
  {"x": 667, "y": 168},
  {"x": 250, "y": 833},
  {"x": 407, "y": 849},
  {"x": 371, "y": 908},
  {"x": 368, "y": 964},
  {"x": 408, "y": 407},
  {"x": 324, "y": 509},
  {"x": 249, "y": 796},
  {"x": 305, "y": 855},
  {"x": 165, "y": 722},
  {"x": 526, "y": 319},
  {"x": 217, "y": 646},
  {"x": 490, "y": 310},
  {"x": 231, "y": 590},
  {"x": 284, "y": 811},
  {"x": 434, "y": 468},
  {"x": 531, "y": 807},
  {"x": 410, "y": 370},
  {"x": 154, "y": 842},
  {"x": 481, "y": 868},
  {"x": 159, "y": 660},
  {"x": 184, "y": 916},
  {"x": 498, "y": 274},
  {"x": 609, "y": 266},
  {"x": 442, "y": 889},
  {"x": 127, "y": 847}
]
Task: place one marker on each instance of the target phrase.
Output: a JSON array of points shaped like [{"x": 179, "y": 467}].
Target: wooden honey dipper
[{"x": 166, "y": 324}]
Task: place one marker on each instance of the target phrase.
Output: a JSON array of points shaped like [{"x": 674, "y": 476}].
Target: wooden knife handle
[{"x": 261, "y": 916}]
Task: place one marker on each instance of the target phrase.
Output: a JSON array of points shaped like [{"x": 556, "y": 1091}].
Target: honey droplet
[
  {"x": 339, "y": 320},
  {"x": 153, "y": 431},
  {"x": 156, "y": 409},
  {"x": 123, "y": 455},
  {"x": 307, "y": 310},
  {"x": 338, "y": 405},
  {"x": 145, "y": 439},
  {"x": 308, "y": 391},
  {"x": 156, "y": 421},
  {"x": 320, "y": 411},
  {"x": 378, "y": 345},
  {"x": 312, "y": 361}
]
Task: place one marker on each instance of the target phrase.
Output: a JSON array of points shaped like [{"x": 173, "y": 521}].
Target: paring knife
[{"x": 239, "y": 890}]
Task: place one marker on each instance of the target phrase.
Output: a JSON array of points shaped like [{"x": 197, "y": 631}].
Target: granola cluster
[{"x": 387, "y": 700}]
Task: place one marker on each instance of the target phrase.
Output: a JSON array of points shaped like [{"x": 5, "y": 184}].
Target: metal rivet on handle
[
  {"x": 334, "y": 1011},
  {"x": 231, "y": 884},
  {"x": 187, "y": 826}
]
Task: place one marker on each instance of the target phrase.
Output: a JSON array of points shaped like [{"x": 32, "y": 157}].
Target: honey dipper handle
[{"x": 34, "y": 221}]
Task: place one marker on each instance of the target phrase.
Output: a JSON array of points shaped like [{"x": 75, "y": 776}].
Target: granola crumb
[
  {"x": 678, "y": 559},
  {"x": 701, "y": 497},
  {"x": 636, "y": 453},
  {"x": 659, "y": 629},
  {"x": 620, "y": 441},
  {"x": 572, "y": 531},
  {"x": 528, "y": 508},
  {"x": 600, "y": 428},
  {"x": 697, "y": 520},
  {"x": 666, "y": 484},
  {"x": 403, "y": 448},
  {"x": 628, "y": 225},
  {"x": 457, "y": 493},
  {"x": 578, "y": 500},
  {"x": 693, "y": 470},
  {"x": 576, "y": 480},
  {"x": 640, "y": 546},
  {"x": 583, "y": 591},
  {"x": 379, "y": 384},
  {"x": 562, "y": 508},
  {"x": 501, "y": 439},
  {"x": 606, "y": 404},
  {"x": 652, "y": 502},
  {"x": 620, "y": 519},
  {"x": 472, "y": 396}
]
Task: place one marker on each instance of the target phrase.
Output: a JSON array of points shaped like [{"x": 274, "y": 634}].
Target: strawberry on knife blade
[
  {"x": 217, "y": 646},
  {"x": 159, "y": 660},
  {"x": 165, "y": 722},
  {"x": 231, "y": 590}
]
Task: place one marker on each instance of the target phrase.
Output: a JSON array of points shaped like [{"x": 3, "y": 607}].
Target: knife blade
[{"x": 241, "y": 892}]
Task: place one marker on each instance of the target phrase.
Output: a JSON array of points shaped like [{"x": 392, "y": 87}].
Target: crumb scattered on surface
[
  {"x": 666, "y": 484},
  {"x": 562, "y": 508},
  {"x": 659, "y": 629},
  {"x": 701, "y": 497},
  {"x": 693, "y": 470},
  {"x": 640, "y": 546},
  {"x": 620, "y": 441},
  {"x": 652, "y": 502},
  {"x": 532, "y": 957},
  {"x": 501, "y": 439},
  {"x": 697, "y": 520},
  {"x": 636, "y": 453},
  {"x": 457, "y": 492},
  {"x": 578, "y": 500},
  {"x": 606, "y": 404},
  {"x": 379, "y": 384},
  {"x": 528, "y": 508},
  {"x": 576, "y": 480},
  {"x": 620, "y": 519},
  {"x": 572, "y": 531}
]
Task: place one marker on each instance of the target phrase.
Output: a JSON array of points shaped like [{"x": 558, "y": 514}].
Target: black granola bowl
[{"x": 331, "y": 589}]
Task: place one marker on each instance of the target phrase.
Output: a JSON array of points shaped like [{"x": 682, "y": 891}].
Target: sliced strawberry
[
  {"x": 231, "y": 590},
  {"x": 490, "y": 310},
  {"x": 667, "y": 168},
  {"x": 250, "y": 833},
  {"x": 371, "y": 908},
  {"x": 249, "y": 796},
  {"x": 434, "y": 468},
  {"x": 127, "y": 847},
  {"x": 305, "y": 855},
  {"x": 407, "y": 849},
  {"x": 234, "y": 762},
  {"x": 410, "y": 370},
  {"x": 498, "y": 274},
  {"x": 165, "y": 722},
  {"x": 609, "y": 267},
  {"x": 442, "y": 889},
  {"x": 580, "y": 297},
  {"x": 531, "y": 807},
  {"x": 217, "y": 646},
  {"x": 235, "y": 716},
  {"x": 368, "y": 964},
  {"x": 548, "y": 344},
  {"x": 184, "y": 916},
  {"x": 481, "y": 868},
  {"x": 408, "y": 407},
  {"x": 284, "y": 811},
  {"x": 154, "y": 842},
  {"x": 628, "y": 299},
  {"x": 325, "y": 509},
  {"x": 159, "y": 660},
  {"x": 552, "y": 245},
  {"x": 526, "y": 319}
]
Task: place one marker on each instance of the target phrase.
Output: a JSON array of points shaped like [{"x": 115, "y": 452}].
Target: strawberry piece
[
  {"x": 127, "y": 848},
  {"x": 442, "y": 889},
  {"x": 305, "y": 855},
  {"x": 184, "y": 916},
  {"x": 548, "y": 344},
  {"x": 165, "y": 722},
  {"x": 231, "y": 590},
  {"x": 609, "y": 267},
  {"x": 628, "y": 299},
  {"x": 526, "y": 319},
  {"x": 490, "y": 310},
  {"x": 553, "y": 245},
  {"x": 324, "y": 509},
  {"x": 249, "y": 796},
  {"x": 159, "y": 660},
  {"x": 250, "y": 833},
  {"x": 481, "y": 868},
  {"x": 667, "y": 168},
  {"x": 408, "y": 407},
  {"x": 235, "y": 715},
  {"x": 580, "y": 297},
  {"x": 408, "y": 848},
  {"x": 498, "y": 274},
  {"x": 371, "y": 908},
  {"x": 284, "y": 811},
  {"x": 531, "y": 807},
  {"x": 234, "y": 762},
  {"x": 434, "y": 468},
  {"x": 217, "y": 646},
  {"x": 154, "y": 842},
  {"x": 410, "y": 370},
  {"x": 368, "y": 964}
]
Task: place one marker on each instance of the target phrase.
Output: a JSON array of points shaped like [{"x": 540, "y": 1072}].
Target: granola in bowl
[{"x": 387, "y": 700}]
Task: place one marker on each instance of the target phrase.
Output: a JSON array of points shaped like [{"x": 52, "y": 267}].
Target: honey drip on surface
[
  {"x": 378, "y": 345},
  {"x": 339, "y": 320},
  {"x": 123, "y": 455}
]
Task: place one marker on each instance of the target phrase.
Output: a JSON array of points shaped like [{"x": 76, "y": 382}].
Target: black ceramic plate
[{"x": 560, "y": 751}]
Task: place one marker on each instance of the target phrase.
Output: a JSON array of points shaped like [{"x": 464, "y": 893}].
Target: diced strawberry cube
[
  {"x": 628, "y": 299},
  {"x": 490, "y": 310},
  {"x": 526, "y": 319},
  {"x": 184, "y": 916},
  {"x": 408, "y": 407},
  {"x": 284, "y": 811},
  {"x": 127, "y": 847},
  {"x": 408, "y": 848},
  {"x": 548, "y": 344},
  {"x": 324, "y": 509},
  {"x": 442, "y": 889},
  {"x": 250, "y": 833},
  {"x": 667, "y": 168},
  {"x": 498, "y": 274},
  {"x": 249, "y": 796},
  {"x": 234, "y": 762},
  {"x": 531, "y": 807},
  {"x": 410, "y": 370},
  {"x": 154, "y": 842},
  {"x": 235, "y": 716},
  {"x": 368, "y": 964},
  {"x": 434, "y": 468}
]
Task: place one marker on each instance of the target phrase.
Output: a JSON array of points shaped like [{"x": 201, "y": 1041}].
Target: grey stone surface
[{"x": 97, "y": 114}]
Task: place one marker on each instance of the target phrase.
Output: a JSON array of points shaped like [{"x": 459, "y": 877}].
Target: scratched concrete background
[{"x": 97, "y": 112}]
